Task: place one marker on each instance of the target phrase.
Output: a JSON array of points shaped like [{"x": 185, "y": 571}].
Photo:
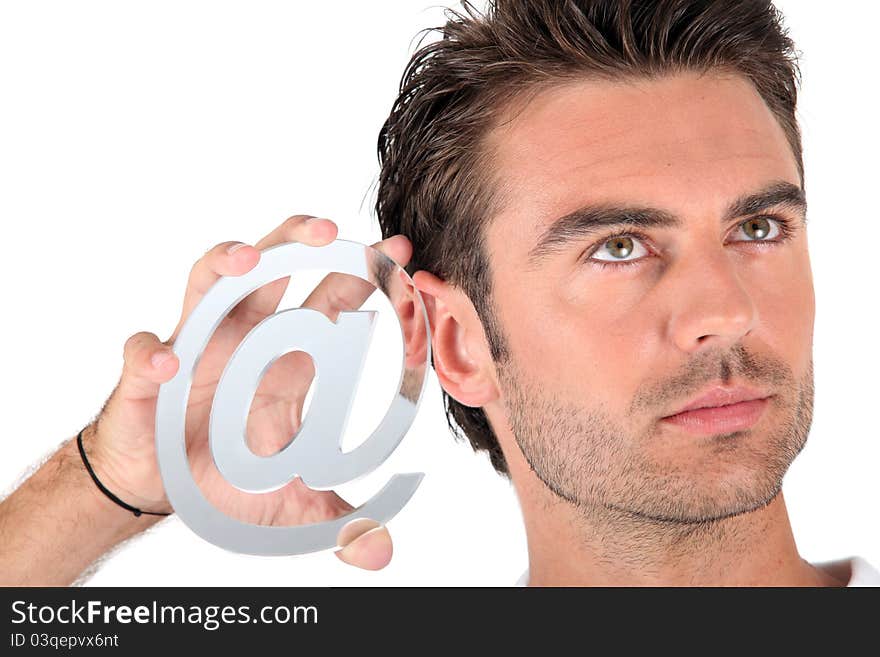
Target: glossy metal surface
[{"x": 338, "y": 350}]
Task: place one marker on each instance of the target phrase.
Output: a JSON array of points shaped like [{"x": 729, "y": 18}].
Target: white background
[{"x": 133, "y": 136}]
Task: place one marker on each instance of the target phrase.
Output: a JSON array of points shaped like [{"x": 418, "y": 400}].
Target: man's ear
[
  {"x": 460, "y": 351},
  {"x": 412, "y": 321}
]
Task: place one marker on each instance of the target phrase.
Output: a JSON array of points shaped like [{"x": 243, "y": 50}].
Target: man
[{"x": 602, "y": 204}]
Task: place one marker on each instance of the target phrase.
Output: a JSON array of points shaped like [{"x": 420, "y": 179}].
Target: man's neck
[{"x": 570, "y": 548}]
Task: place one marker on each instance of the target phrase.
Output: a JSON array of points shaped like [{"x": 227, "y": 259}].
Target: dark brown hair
[{"x": 436, "y": 186}]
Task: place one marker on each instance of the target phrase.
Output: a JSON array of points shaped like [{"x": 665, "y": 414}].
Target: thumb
[
  {"x": 365, "y": 543},
  {"x": 148, "y": 364}
]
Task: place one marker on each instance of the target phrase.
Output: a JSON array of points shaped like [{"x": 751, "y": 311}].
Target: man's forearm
[{"x": 57, "y": 523}]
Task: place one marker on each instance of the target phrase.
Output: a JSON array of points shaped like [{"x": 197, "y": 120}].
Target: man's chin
[{"x": 703, "y": 501}]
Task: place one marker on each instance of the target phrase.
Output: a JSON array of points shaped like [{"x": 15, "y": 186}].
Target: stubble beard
[{"x": 595, "y": 464}]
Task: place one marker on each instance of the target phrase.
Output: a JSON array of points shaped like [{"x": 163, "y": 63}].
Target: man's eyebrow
[{"x": 591, "y": 218}]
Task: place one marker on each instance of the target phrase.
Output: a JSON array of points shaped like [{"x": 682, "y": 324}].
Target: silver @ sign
[{"x": 338, "y": 350}]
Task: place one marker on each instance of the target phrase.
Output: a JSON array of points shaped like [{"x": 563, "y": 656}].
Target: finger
[
  {"x": 224, "y": 259},
  {"x": 365, "y": 544},
  {"x": 337, "y": 292},
  {"x": 302, "y": 228},
  {"x": 148, "y": 363}
]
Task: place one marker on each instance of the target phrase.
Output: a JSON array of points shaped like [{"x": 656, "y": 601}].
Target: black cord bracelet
[{"x": 137, "y": 512}]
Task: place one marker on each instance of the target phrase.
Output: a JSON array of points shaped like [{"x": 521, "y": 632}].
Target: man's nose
[{"x": 713, "y": 305}]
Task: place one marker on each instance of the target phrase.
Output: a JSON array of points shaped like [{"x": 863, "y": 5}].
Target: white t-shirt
[{"x": 858, "y": 571}]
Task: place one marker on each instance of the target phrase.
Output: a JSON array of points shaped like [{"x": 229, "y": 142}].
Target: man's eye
[
  {"x": 758, "y": 229},
  {"x": 628, "y": 248},
  {"x": 624, "y": 248}
]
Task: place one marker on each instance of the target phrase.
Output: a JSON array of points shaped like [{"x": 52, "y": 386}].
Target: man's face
[{"x": 598, "y": 355}]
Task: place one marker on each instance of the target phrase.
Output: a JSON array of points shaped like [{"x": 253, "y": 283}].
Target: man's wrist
[
  {"x": 104, "y": 468},
  {"x": 58, "y": 522}
]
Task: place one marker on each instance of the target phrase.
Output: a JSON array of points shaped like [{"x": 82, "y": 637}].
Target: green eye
[
  {"x": 619, "y": 247},
  {"x": 757, "y": 228},
  {"x": 617, "y": 251}
]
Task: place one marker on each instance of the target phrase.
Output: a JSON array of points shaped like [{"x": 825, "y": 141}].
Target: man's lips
[
  {"x": 719, "y": 395},
  {"x": 720, "y": 419},
  {"x": 721, "y": 410}
]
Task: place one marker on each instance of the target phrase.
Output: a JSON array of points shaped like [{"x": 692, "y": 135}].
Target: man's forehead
[
  {"x": 591, "y": 115},
  {"x": 680, "y": 142}
]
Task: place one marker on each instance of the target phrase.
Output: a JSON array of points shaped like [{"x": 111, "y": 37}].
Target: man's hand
[{"x": 121, "y": 442}]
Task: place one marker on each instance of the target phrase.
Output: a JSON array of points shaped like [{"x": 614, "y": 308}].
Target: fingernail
[
  {"x": 160, "y": 357},
  {"x": 235, "y": 247},
  {"x": 355, "y": 528},
  {"x": 312, "y": 220}
]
